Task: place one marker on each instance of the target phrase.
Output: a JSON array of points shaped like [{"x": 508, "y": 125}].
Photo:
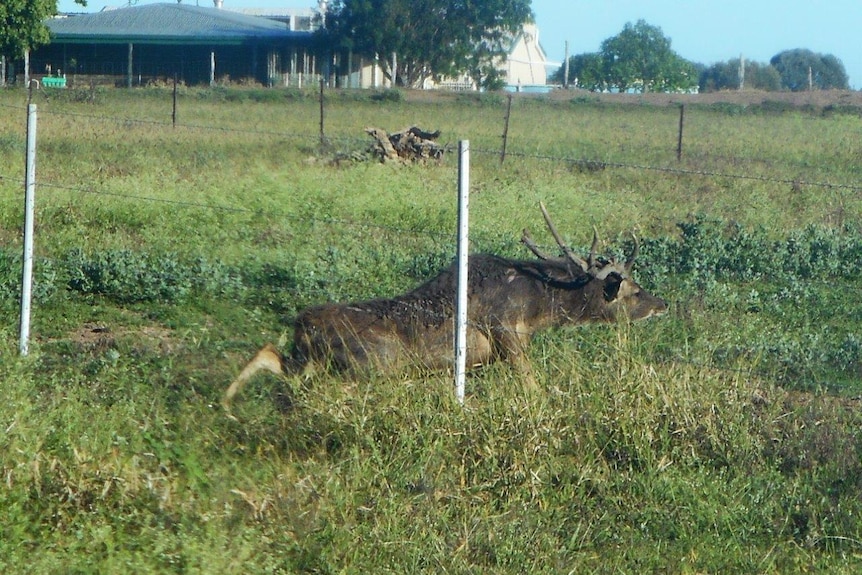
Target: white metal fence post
[
  {"x": 463, "y": 250},
  {"x": 29, "y": 206}
]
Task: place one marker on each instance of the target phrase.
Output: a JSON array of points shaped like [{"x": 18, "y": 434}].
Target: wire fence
[
  {"x": 592, "y": 162},
  {"x": 588, "y": 163},
  {"x": 351, "y": 227}
]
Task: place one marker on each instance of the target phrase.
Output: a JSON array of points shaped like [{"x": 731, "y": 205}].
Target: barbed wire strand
[
  {"x": 323, "y": 294},
  {"x": 672, "y": 360},
  {"x": 564, "y": 160}
]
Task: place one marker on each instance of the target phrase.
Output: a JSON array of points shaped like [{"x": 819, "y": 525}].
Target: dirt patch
[
  {"x": 817, "y": 99},
  {"x": 97, "y": 338}
]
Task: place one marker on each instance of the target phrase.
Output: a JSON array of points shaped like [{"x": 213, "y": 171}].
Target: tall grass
[
  {"x": 720, "y": 438},
  {"x": 621, "y": 464}
]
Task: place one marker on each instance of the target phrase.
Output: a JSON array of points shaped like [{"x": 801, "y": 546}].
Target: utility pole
[{"x": 566, "y": 66}]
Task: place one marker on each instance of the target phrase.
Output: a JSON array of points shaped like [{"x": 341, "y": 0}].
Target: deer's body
[{"x": 508, "y": 301}]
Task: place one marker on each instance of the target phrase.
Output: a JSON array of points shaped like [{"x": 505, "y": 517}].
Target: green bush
[
  {"x": 126, "y": 276},
  {"x": 710, "y": 249},
  {"x": 391, "y": 95},
  {"x": 44, "y": 284}
]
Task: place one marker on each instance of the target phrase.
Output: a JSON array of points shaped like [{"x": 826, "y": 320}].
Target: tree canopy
[
  {"x": 431, "y": 38},
  {"x": 826, "y": 71},
  {"x": 587, "y": 70},
  {"x": 725, "y": 76},
  {"x": 639, "y": 58},
  {"x": 22, "y": 25}
]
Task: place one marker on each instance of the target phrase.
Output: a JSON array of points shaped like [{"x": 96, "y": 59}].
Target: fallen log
[{"x": 409, "y": 145}]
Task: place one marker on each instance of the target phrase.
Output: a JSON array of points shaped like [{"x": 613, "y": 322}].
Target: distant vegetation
[
  {"x": 728, "y": 76},
  {"x": 640, "y": 59},
  {"x": 637, "y": 59},
  {"x": 794, "y": 70}
]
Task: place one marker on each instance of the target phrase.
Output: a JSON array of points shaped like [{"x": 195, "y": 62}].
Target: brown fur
[{"x": 508, "y": 301}]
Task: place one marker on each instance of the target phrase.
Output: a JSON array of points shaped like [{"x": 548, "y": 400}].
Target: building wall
[
  {"x": 267, "y": 65},
  {"x": 291, "y": 64},
  {"x": 526, "y": 63}
]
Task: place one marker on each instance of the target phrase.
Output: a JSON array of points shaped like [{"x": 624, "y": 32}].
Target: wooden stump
[{"x": 410, "y": 145}]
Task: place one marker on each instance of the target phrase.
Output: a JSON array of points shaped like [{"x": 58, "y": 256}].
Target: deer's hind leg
[
  {"x": 268, "y": 358},
  {"x": 511, "y": 347}
]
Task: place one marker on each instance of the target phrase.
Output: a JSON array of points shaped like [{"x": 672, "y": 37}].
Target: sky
[
  {"x": 707, "y": 32},
  {"x": 701, "y": 31}
]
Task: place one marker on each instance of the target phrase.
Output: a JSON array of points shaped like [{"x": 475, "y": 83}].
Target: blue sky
[
  {"x": 700, "y": 31},
  {"x": 709, "y": 32}
]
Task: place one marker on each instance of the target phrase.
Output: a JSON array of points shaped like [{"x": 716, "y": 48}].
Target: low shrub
[
  {"x": 126, "y": 276},
  {"x": 44, "y": 284}
]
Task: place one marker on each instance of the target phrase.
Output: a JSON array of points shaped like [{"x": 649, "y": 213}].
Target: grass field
[{"x": 723, "y": 437}]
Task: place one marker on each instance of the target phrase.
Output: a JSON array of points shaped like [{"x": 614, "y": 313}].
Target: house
[
  {"x": 526, "y": 64},
  {"x": 298, "y": 19},
  {"x": 136, "y": 45},
  {"x": 163, "y": 41},
  {"x": 525, "y": 67}
]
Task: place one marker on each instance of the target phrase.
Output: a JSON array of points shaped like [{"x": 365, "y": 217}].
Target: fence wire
[
  {"x": 321, "y": 294},
  {"x": 583, "y": 162}
]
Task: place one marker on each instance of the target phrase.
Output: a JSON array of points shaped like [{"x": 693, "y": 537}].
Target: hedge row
[{"x": 706, "y": 251}]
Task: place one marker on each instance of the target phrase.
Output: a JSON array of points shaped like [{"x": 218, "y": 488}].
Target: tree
[
  {"x": 431, "y": 38},
  {"x": 725, "y": 76},
  {"x": 640, "y": 57},
  {"x": 586, "y": 71},
  {"x": 22, "y": 25},
  {"x": 825, "y": 70}
]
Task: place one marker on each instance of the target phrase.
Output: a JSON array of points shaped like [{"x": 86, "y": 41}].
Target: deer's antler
[
  {"x": 631, "y": 259},
  {"x": 527, "y": 240},
  {"x": 567, "y": 251}
]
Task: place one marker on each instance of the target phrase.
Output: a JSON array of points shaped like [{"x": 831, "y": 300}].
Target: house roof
[
  {"x": 168, "y": 24},
  {"x": 274, "y": 12}
]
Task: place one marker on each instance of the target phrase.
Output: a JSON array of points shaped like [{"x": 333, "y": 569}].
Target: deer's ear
[{"x": 611, "y": 289}]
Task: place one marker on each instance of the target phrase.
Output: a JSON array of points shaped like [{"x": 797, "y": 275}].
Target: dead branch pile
[{"x": 410, "y": 145}]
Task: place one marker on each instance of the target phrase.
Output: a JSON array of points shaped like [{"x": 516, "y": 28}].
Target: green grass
[{"x": 721, "y": 438}]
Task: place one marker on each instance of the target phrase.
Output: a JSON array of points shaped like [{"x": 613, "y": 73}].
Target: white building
[{"x": 525, "y": 65}]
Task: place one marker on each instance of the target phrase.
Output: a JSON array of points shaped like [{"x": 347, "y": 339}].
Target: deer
[{"x": 509, "y": 300}]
